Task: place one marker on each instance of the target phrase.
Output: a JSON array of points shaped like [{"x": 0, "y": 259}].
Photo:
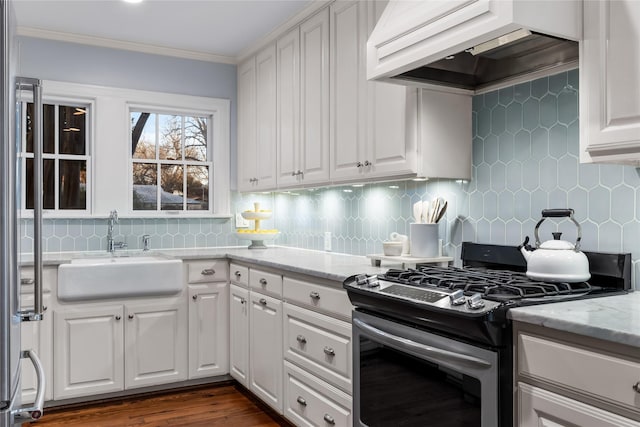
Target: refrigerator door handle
[
  {"x": 35, "y": 85},
  {"x": 33, "y": 413}
]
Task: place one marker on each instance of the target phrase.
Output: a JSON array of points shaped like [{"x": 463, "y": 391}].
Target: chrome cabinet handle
[
  {"x": 301, "y": 339},
  {"x": 131, "y": 316},
  {"x": 301, "y": 401},
  {"x": 263, "y": 301},
  {"x": 636, "y": 387},
  {"x": 118, "y": 317},
  {"x": 27, "y": 281},
  {"x": 329, "y": 351},
  {"x": 314, "y": 295},
  {"x": 263, "y": 282},
  {"x": 195, "y": 297},
  {"x": 208, "y": 272},
  {"x": 329, "y": 419}
]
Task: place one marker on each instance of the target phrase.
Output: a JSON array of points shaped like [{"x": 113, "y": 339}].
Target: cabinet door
[
  {"x": 542, "y": 408},
  {"x": 239, "y": 334},
  {"x": 265, "y": 358},
  {"x": 208, "y": 330},
  {"x": 348, "y": 84},
  {"x": 247, "y": 155},
  {"x": 156, "y": 344},
  {"x": 288, "y": 111},
  {"x": 265, "y": 145},
  {"x": 36, "y": 336},
  {"x": 610, "y": 82},
  {"x": 314, "y": 98},
  {"x": 88, "y": 351}
]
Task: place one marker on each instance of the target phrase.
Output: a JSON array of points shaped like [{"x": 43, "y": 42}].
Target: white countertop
[
  {"x": 615, "y": 318},
  {"x": 325, "y": 265}
]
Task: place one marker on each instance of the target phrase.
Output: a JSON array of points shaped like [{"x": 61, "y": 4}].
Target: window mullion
[
  {"x": 56, "y": 160},
  {"x": 184, "y": 167}
]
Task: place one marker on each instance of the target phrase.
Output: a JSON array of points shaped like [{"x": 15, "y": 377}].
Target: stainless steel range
[{"x": 432, "y": 345}]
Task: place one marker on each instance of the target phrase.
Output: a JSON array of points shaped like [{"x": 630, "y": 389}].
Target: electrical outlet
[
  {"x": 327, "y": 240},
  {"x": 241, "y": 222}
]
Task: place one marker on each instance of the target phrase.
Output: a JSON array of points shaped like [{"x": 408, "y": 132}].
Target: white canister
[{"x": 424, "y": 240}]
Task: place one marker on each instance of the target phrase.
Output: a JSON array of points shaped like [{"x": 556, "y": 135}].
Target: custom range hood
[{"x": 473, "y": 45}]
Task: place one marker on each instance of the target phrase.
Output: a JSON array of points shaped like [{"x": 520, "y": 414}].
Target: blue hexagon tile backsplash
[{"x": 525, "y": 159}]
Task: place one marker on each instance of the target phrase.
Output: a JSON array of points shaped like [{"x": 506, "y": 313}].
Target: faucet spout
[{"x": 113, "y": 219}]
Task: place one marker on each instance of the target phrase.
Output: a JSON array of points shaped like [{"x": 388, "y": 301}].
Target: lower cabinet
[
  {"x": 208, "y": 330},
  {"x": 239, "y": 334},
  {"x": 107, "y": 348},
  {"x": 265, "y": 344},
  {"x": 309, "y": 401}
]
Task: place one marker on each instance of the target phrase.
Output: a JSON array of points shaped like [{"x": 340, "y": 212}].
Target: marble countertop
[
  {"x": 325, "y": 265},
  {"x": 615, "y": 318}
]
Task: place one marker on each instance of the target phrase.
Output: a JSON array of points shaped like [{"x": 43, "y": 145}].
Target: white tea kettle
[{"x": 556, "y": 260}]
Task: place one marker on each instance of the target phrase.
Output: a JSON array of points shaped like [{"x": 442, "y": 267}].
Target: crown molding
[{"x": 123, "y": 45}]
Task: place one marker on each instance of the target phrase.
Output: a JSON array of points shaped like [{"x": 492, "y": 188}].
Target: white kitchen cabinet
[
  {"x": 370, "y": 122},
  {"x": 37, "y": 336},
  {"x": 208, "y": 329},
  {"x": 610, "y": 82},
  {"x": 265, "y": 344},
  {"x": 542, "y": 408},
  {"x": 239, "y": 334},
  {"x": 155, "y": 343},
  {"x": 257, "y": 165},
  {"x": 88, "y": 351},
  {"x": 101, "y": 348},
  {"x": 553, "y": 387},
  {"x": 303, "y": 103}
]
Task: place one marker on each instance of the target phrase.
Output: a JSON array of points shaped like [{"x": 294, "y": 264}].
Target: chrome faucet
[{"x": 111, "y": 244}]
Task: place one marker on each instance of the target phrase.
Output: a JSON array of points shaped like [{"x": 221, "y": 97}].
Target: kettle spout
[{"x": 525, "y": 249}]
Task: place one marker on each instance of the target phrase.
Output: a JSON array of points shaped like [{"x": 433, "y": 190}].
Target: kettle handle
[{"x": 559, "y": 213}]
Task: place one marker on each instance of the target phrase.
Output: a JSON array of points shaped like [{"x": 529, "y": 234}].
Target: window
[
  {"x": 65, "y": 156},
  {"x": 171, "y": 161}
]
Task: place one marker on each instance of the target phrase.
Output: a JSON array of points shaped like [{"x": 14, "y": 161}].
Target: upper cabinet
[
  {"x": 329, "y": 124},
  {"x": 610, "y": 82},
  {"x": 257, "y": 121},
  {"x": 303, "y": 103}
]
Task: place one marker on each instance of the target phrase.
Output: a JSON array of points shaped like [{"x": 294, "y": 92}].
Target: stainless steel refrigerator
[{"x": 11, "y": 315}]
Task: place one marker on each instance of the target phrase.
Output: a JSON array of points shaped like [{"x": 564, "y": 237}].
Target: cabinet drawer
[
  {"x": 309, "y": 401},
  {"x": 319, "y": 344},
  {"x": 239, "y": 274},
  {"x": 597, "y": 374},
  {"x": 323, "y": 298},
  {"x": 268, "y": 283},
  {"x": 208, "y": 271}
]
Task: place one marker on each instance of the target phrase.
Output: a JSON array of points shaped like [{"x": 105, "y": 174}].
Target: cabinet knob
[
  {"x": 44, "y": 308},
  {"x": 636, "y": 387},
  {"x": 301, "y": 401},
  {"x": 130, "y": 316},
  {"x": 329, "y": 351},
  {"x": 242, "y": 300},
  {"x": 367, "y": 163},
  {"x": 314, "y": 295},
  {"x": 263, "y": 282},
  {"x": 359, "y": 165},
  {"x": 118, "y": 317},
  {"x": 263, "y": 301},
  {"x": 195, "y": 297},
  {"x": 27, "y": 281},
  {"x": 238, "y": 274},
  {"x": 301, "y": 339},
  {"x": 208, "y": 272},
  {"x": 294, "y": 173},
  {"x": 329, "y": 419}
]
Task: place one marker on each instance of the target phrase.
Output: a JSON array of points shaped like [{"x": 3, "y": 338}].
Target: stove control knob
[
  {"x": 474, "y": 302},
  {"x": 457, "y": 298}
]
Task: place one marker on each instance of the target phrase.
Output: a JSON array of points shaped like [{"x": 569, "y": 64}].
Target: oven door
[{"x": 404, "y": 376}]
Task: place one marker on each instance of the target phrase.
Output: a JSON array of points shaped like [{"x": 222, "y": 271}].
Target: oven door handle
[{"x": 415, "y": 347}]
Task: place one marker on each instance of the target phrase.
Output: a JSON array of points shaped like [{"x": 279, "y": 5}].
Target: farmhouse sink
[{"x": 119, "y": 277}]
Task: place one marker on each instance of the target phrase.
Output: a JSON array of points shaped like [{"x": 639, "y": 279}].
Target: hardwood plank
[{"x": 217, "y": 405}]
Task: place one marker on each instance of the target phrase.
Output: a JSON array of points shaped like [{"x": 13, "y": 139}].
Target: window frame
[
  {"x": 76, "y": 101},
  {"x": 159, "y": 162},
  {"x": 109, "y": 181}
]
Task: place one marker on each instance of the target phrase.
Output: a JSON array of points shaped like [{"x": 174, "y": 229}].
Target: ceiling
[{"x": 208, "y": 29}]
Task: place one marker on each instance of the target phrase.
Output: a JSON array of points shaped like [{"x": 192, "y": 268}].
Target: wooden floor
[{"x": 226, "y": 405}]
